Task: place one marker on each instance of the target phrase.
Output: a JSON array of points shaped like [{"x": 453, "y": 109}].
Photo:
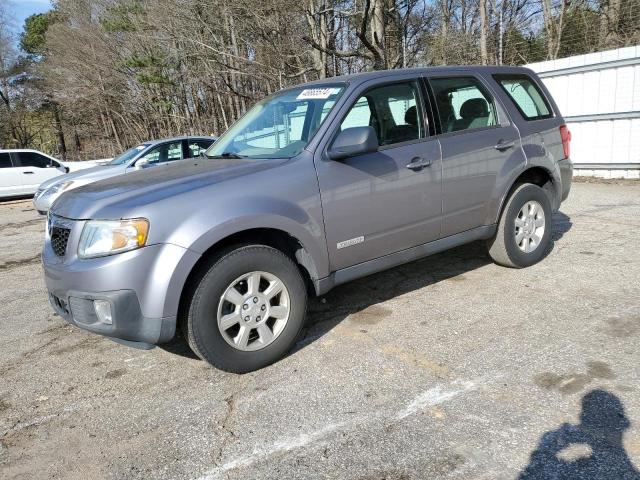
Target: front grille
[{"x": 59, "y": 239}]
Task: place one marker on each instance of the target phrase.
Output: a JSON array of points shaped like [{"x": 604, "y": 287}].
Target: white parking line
[
  {"x": 436, "y": 396},
  {"x": 281, "y": 446}
]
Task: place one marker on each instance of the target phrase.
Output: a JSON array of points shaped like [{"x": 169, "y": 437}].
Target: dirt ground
[{"x": 450, "y": 367}]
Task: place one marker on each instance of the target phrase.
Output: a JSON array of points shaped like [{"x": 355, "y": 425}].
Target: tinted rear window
[
  {"x": 526, "y": 95},
  {"x": 5, "y": 160}
]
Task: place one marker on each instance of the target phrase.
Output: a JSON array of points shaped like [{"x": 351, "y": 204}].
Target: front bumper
[
  {"x": 142, "y": 286},
  {"x": 43, "y": 201},
  {"x": 128, "y": 323}
]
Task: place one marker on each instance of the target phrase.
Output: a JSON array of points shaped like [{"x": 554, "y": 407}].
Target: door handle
[
  {"x": 502, "y": 145},
  {"x": 418, "y": 163},
  {"x": 27, "y": 173}
]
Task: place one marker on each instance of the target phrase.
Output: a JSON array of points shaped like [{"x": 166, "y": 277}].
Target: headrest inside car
[{"x": 474, "y": 108}]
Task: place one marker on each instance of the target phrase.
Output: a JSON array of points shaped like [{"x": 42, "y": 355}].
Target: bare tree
[
  {"x": 553, "y": 24},
  {"x": 484, "y": 31}
]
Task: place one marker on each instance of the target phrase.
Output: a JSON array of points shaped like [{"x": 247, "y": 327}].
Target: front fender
[{"x": 298, "y": 225}]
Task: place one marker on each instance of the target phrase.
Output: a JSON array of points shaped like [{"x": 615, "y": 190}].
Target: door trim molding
[{"x": 344, "y": 275}]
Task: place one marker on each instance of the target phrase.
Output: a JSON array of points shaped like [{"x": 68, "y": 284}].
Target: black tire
[
  {"x": 201, "y": 326},
  {"x": 503, "y": 248}
]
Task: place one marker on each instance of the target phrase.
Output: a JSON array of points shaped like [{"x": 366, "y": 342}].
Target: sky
[{"x": 21, "y": 9}]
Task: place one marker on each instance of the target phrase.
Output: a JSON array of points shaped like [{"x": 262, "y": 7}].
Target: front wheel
[
  {"x": 247, "y": 309},
  {"x": 524, "y": 230}
]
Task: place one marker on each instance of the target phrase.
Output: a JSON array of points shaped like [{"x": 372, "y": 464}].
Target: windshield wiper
[{"x": 227, "y": 155}]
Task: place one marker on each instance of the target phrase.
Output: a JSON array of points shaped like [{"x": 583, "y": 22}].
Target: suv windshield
[
  {"x": 128, "y": 155},
  {"x": 280, "y": 126}
]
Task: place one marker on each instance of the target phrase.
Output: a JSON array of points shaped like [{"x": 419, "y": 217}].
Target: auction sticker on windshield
[{"x": 316, "y": 93}]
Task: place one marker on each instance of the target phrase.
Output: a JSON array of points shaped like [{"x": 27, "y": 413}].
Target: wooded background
[{"x": 93, "y": 77}]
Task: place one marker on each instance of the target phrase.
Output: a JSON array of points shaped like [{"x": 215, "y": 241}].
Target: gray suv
[{"x": 315, "y": 186}]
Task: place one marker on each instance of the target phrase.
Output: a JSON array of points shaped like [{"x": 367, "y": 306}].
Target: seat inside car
[
  {"x": 408, "y": 131},
  {"x": 474, "y": 113}
]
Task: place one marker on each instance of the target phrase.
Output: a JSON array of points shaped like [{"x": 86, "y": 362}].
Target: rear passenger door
[
  {"x": 378, "y": 203},
  {"x": 479, "y": 145}
]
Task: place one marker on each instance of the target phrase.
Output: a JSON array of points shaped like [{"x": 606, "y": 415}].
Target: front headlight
[
  {"x": 106, "y": 237},
  {"x": 56, "y": 188},
  {"x": 62, "y": 186}
]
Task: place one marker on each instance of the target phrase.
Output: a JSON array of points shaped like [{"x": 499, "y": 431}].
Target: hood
[
  {"x": 114, "y": 197},
  {"x": 87, "y": 175},
  {"x": 74, "y": 166}
]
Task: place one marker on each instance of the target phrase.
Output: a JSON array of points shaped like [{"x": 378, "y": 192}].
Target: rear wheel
[
  {"x": 247, "y": 310},
  {"x": 524, "y": 230}
]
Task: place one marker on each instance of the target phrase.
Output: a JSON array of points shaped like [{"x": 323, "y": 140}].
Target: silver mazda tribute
[{"x": 315, "y": 186}]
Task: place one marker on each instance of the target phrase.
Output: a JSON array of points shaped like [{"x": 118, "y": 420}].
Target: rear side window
[
  {"x": 5, "y": 160},
  {"x": 197, "y": 146},
  {"x": 526, "y": 95},
  {"x": 463, "y": 104},
  {"x": 31, "y": 159}
]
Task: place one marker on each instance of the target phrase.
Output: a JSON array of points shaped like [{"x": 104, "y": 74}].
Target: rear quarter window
[{"x": 526, "y": 96}]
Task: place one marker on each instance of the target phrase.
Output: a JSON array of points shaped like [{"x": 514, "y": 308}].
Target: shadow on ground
[
  {"x": 592, "y": 449},
  {"x": 362, "y": 296}
]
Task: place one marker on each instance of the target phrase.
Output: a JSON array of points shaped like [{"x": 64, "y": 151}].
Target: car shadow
[
  {"x": 561, "y": 225},
  {"x": 19, "y": 198},
  {"x": 363, "y": 295},
  {"x": 591, "y": 449}
]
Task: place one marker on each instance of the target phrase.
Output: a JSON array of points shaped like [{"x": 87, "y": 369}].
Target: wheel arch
[
  {"x": 536, "y": 175},
  {"x": 272, "y": 237}
]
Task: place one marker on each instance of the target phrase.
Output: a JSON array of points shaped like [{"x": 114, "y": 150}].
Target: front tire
[
  {"x": 247, "y": 310},
  {"x": 524, "y": 230}
]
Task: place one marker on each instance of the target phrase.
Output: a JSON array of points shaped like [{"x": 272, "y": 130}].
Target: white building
[{"x": 599, "y": 96}]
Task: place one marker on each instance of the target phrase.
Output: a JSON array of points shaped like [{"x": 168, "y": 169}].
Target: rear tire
[
  {"x": 247, "y": 310},
  {"x": 524, "y": 229}
]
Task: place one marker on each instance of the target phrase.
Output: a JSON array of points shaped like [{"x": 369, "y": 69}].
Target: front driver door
[
  {"x": 161, "y": 154},
  {"x": 374, "y": 204},
  {"x": 35, "y": 169},
  {"x": 10, "y": 177}
]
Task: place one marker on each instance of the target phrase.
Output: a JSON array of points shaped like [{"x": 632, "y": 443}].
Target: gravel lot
[{"x": 451, "y": 367}]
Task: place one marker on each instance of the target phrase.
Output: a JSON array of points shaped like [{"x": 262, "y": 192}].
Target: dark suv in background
[{"x": 315, "y": 186}]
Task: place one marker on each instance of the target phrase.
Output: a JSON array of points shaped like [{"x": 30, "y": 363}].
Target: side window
[
  {"x": 164, "y": 153},
  {"x": 463, "y": 104},
  {"x": 197, "y": 146},
  {"x": 526, "y": 95},
  {"x": 5, "y": 160},
  {"x": 30, "y": 159},
  {"x": 394, "y": 111}
]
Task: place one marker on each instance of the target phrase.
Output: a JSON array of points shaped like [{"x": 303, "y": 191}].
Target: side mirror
[
  {"x": 353, "y": 141},
  {"x": 66, "y": 169},
  {"x": 142, "y": 163}
]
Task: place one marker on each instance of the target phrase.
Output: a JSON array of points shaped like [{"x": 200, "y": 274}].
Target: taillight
[{"x": 565, "y": 135}]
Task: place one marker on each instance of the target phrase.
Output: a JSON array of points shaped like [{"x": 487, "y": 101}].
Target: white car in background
[
  {"x": 23, "y": 170},
  {"x": 148, "y": 154}
]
